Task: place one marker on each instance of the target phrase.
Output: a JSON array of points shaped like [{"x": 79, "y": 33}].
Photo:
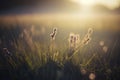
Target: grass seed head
[
  {"x": 74, "y": 40},
  {"x": 90, "y": 31},
  {"x": 53, "y": 34}
]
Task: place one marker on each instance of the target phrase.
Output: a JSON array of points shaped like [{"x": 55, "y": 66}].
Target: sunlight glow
[
  {"x": 86, "y": 2},
  {"x": 85, "y": 6},
  {"x": 108, "y": 3}
]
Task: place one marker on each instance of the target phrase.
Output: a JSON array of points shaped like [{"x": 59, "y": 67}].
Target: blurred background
[{"x": 27, "y": 25}]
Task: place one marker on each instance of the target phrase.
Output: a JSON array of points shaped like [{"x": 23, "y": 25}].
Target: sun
[
  {"x": 90, "y": 3},
  {"x": 85, "y": 5},
  {"x": 85, "y": 2}
]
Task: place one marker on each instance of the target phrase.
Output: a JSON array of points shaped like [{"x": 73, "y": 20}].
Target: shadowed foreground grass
[{"x": 25, "y": 56}]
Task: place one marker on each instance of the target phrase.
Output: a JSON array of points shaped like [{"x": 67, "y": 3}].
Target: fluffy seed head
[{"x": 53, "y": 34}]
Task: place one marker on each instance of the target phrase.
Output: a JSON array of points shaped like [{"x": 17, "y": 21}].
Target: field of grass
[{"x": 59, "y": 49}]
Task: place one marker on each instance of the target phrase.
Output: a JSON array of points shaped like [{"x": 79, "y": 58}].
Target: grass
[{"x": 34, "y": 55}]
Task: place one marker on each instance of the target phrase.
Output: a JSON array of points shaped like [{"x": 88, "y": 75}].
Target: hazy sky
[
  {"x": 23, "y": 6},
  {"x": 109, "y": 3}
]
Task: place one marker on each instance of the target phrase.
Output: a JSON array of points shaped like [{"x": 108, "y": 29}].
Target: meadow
[{"x": 59, "y": 48}]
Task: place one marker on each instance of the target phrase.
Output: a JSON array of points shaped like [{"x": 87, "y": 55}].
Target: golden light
[
  {"x": 86, "y": 2},
  {"x": 89, "y": 3},
  {"x": 85, "y": 6}
]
